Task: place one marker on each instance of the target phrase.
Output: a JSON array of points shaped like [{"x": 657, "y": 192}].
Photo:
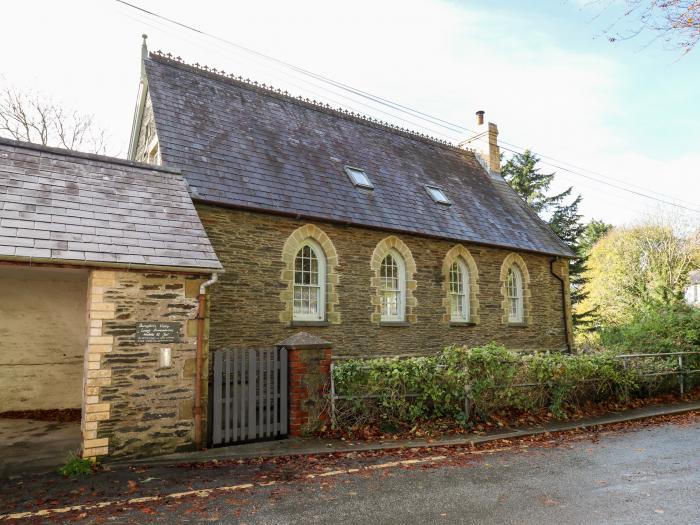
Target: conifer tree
[{"x": 561, "y": 212}]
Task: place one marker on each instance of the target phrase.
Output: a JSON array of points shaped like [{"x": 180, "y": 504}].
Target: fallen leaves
[
  {"x": 502, "y": 419},
  {"x": 329, "y": 470}
]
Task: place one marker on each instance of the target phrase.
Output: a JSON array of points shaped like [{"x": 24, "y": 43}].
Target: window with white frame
[
  {"x": 459, "y": 291},
  {"x": 392, "y": 287},
  {"x": 514, "y": 289},
  {"x": 309, "y": 283}
]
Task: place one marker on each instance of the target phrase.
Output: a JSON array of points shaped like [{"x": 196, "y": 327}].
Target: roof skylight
[
  {"x": 358, "y": 177},
  {"x": 437, "y": 194}
]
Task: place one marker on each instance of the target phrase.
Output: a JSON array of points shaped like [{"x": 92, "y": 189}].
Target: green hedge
[{"x": 419, "y": 388}]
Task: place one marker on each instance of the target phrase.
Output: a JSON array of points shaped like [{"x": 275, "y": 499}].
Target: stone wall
[
  {"x": 134, "y": 406},
  {"x": 246, "y": 310},
  {"x": 42, "y": 338}
]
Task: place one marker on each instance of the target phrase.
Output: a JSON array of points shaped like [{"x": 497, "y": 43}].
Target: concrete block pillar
[{"x": 309, "y": 359}]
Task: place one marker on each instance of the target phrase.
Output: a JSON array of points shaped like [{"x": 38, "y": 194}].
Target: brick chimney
[{"x": 485, "y": 144}]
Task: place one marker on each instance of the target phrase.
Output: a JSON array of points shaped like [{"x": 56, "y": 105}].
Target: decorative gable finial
[{"x": 144, "y": 54}]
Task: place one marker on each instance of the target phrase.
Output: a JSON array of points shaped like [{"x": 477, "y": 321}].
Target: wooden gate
[{"x": 249, "y": 398}]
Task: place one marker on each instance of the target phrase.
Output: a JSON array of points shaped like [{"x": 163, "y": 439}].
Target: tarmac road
[{"x": 646, "y": 474}]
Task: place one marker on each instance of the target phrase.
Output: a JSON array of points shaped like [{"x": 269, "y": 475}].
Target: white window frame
[
  {"x": 320, "y": 315},
  {"x": 464, "y": 296},
  {"x": 401, "y": 290},
  {"x": 514, "y": 294}
]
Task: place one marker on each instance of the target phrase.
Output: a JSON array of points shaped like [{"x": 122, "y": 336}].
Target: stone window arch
[
  {"x": 515, "y": 290},
  {"x": 304, "y": 242},
  {"x": 460, "y": 256},
  {"x": 394, "y": 248}
]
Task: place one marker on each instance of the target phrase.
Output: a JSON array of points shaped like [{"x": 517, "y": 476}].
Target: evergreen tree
[
  {"x": 523, "y": 175},
  {"x": 559, "y": 211}
]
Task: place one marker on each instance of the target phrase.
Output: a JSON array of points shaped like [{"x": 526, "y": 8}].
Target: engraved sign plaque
[{"x": 157, "y": 332}]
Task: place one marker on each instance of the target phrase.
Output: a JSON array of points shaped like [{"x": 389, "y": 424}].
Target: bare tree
[
  {"x": 675, "y": 21},
  {"x": 30, "y": 117}
]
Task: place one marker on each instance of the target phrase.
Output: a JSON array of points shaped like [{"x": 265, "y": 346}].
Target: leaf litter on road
[{"x": 287, "y": 470}]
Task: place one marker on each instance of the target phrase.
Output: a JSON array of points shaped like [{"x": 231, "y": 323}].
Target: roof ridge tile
[{"x": 262, "y": 88}]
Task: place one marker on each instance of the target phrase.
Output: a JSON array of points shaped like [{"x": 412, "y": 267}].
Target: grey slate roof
[
  {"x": 69, "y": 207},
  {"x": 246, "y": 146}
]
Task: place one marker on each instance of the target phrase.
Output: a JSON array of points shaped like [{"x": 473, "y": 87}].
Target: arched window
[
  {"x": 309, "y": 283},
  {"x": 459, "y": 292},
  {"x": 392, "y": 287},
  {"x": 514, "y": 289}
]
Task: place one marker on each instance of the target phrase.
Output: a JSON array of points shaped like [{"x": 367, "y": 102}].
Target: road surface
[{"x": 646, "y": 474}]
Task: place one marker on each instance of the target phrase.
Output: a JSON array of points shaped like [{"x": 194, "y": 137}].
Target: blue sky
[
  {"x": 542, "y": 70},
  {"x": 659, "y": 86}
]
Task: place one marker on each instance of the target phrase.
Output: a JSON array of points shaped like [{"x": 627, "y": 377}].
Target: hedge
[{"x": 490, "y": 376}]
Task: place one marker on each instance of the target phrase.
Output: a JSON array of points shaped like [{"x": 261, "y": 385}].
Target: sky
[{"x": 623, "y": 113}]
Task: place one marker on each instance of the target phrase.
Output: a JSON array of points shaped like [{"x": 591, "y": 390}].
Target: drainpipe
[
  {"x": 201, "y": 317},
  {"x": 563, "y": 302}
]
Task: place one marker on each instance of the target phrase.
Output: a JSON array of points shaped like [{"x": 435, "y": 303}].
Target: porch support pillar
[{"x": 309, "y": 359}]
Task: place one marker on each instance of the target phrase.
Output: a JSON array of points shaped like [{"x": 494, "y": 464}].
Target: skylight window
[
  {"x": 358, "y": 177},
  {"x": 437, "y": 195}
]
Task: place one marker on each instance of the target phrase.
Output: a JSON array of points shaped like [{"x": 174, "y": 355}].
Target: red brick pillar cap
[{"x": 304, "y": 341}]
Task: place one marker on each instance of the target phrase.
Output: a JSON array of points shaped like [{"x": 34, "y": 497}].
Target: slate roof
[
  {"x": 69, "y": 207},
  {"x": 242, "y": 145}
]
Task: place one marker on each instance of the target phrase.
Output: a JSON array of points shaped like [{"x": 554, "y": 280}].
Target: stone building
[
  {"x": 103, "y": 270},
  {"x": 377, "y": 239},
  {"x": 325, "y": 229}
]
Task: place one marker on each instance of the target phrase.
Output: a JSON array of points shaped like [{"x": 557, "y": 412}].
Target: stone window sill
[
  {"x": 517, "y": 325},
  {"x": 396, "y": 324},
  {"x": 310, "y": 323},
  {"x": 462, "y": 323}
]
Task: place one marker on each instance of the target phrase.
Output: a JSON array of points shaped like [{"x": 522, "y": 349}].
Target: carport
[
  {"x": 42, "y": 342},
  {"x": 104, "y": 266}
]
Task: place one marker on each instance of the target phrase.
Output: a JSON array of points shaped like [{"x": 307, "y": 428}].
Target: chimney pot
[{"x": 480, "y": 117}]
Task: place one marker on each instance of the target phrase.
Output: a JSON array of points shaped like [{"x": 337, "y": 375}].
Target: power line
[
  {"x": 317, "y": 76},
  {"x": 415, "y": 113},
  {"x": 614, "y": 185}
]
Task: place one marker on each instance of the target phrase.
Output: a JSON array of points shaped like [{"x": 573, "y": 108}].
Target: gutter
[
  {"x": 201, "y": 318},
  {"x": 563, "y": 302}
]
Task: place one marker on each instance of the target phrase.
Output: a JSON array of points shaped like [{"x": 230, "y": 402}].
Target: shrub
[
  {"x": 76, "y": 466},
  {"x": 658, "y": 329},
  {"x": 408, "y": 390}
]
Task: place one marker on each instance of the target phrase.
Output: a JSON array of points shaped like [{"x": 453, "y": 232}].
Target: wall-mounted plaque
[{"x": 157, "y": 332}]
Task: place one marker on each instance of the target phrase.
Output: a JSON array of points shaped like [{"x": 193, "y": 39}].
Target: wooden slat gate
[{"x": 249, "y": 395}]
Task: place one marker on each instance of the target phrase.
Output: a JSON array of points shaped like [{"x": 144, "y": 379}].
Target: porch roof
[{"x": 60, "y": 206}]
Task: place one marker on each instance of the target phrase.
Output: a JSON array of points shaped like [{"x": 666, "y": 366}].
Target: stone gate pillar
[{"x": 309, "y": 359}]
